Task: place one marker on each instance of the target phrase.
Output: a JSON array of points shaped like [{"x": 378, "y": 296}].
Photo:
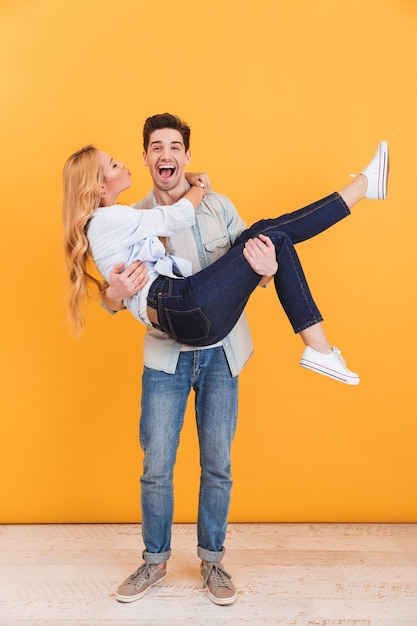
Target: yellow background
[{"x": 285, "y": 99}]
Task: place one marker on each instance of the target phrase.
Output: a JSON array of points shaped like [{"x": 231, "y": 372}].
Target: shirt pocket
[{"x": 215, "y": 248}]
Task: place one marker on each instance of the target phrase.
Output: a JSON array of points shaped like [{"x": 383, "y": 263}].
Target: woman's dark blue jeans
[{"x": 202, "y": 309}]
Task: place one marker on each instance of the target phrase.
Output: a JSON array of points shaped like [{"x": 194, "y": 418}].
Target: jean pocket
[{"x": 188, "y": 326}]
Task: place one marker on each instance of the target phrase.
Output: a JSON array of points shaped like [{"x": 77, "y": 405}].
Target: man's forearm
[
  {"x": 265, "y": 280},
  {"x": 123, "y": 284},
  {"x": 114, "y": 304}
]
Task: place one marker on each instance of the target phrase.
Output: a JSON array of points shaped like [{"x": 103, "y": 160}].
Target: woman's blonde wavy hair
[{"x": 82, "y": 180}]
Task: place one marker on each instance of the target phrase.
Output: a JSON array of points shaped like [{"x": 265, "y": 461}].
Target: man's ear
[
  {"x": 145, "y": 158},
  {"x": 187, "y": 157}
]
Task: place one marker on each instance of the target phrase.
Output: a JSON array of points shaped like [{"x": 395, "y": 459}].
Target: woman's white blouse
[{"x": 120, "y": 233}]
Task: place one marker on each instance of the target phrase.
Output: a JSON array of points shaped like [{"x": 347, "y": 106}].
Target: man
[{"x": 172, "y": 370}]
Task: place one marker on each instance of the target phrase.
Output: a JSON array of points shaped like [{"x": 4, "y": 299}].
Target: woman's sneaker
[
  {"x": 332, "y": 365},
  {"x": 377, "y": 173}
]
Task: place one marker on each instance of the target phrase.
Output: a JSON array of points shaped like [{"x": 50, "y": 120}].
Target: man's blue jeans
[{"x": 164, "y": 399}]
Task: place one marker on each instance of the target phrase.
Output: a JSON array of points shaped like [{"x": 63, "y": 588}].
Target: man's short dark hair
[{"x": 166, "y": 120}]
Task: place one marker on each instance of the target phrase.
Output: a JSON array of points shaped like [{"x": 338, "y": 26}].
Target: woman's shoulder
[{"x": 115, "y": 212}]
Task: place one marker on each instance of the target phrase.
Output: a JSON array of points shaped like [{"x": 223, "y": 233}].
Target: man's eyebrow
[{"x": 158, "y": 141}]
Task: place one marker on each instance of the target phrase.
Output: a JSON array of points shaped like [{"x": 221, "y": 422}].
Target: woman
[{"x": 200, "y": 310}]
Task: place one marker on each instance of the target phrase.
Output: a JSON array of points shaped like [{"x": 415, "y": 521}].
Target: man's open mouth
[{"x": 166, "y": 171}]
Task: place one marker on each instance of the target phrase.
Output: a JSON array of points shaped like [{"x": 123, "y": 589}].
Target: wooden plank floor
[{"x": 287, "y": 575}]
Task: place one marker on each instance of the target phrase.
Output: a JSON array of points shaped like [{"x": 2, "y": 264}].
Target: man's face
[{"x": 166, "y": 158}]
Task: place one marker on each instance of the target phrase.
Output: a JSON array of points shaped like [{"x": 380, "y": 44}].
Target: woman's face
[{"x": 116, "y": 177}]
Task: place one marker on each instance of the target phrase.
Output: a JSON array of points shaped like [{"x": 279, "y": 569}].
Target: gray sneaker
[
  {"x": 220, "y": 588},
  {"x": 140, "y": 582}
]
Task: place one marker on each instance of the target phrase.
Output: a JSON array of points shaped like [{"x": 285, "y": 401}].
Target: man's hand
[
  {"x": 261, "y": 255},
  {"x": 124, "y": 283}
]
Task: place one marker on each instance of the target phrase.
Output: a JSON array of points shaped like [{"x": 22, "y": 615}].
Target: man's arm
[
  {"x": 261, "y": 255},
  {"x": 124, "y": 283}
]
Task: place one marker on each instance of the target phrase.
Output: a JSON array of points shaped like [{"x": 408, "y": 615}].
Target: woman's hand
[
  {"x": 200, "y": 186},
  {"x": 124, "y": 283},
  {"x": 198, "y": 179},
  {"x": 260, "y": 253}
]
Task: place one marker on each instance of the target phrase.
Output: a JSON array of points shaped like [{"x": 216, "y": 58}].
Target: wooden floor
[{"x": 286, "y": 574}]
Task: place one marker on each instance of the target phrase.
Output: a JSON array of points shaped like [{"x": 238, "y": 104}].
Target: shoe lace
[
  {"x": 338, "y": 355},
  {"x": 142, "y": 574},
  {"x": 217, "y": 576}
]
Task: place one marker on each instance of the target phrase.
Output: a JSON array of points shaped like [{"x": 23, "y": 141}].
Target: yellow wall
[{"x": 285, "y": 99}]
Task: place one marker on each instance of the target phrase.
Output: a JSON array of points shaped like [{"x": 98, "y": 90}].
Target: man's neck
[{"x": 166, "y": 198}]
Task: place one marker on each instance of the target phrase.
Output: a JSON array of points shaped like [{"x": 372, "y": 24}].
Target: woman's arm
[
  {"x": 124, "y": 283},
  {"x": 195, "y": 194},
  {"x": 199, "y": 181}
]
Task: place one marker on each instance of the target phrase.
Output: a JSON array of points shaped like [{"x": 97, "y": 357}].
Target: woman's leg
[
  {"x": 203, "y": 308},
  {"x": 318, "y": 356},
  {"x": 315, "y": 337},
  {"x": 303, "y": 223},
  {"x": 317, "y": 217},
  {"x": 355, "y": 191}
]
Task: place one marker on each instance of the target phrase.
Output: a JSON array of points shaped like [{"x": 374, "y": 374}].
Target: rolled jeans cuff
[
  {"x": 210, "y": 557},
  {"x": 155, "y": 558}
]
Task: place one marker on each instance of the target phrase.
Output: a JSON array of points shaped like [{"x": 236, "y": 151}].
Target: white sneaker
[
  {"x": 332, "y": 365},
  {"x": 377, "y": 172}
]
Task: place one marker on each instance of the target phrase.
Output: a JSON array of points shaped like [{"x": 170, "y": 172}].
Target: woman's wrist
[{"x": 195, "y": 194}]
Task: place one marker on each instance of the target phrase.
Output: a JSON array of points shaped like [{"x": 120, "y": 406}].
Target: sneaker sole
[
  {"x": 384, "y": 162},
  {"x": 221, "y": 601},
  {"x": 138, "y": 596},
  {"x": 319, "y": 369}
]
